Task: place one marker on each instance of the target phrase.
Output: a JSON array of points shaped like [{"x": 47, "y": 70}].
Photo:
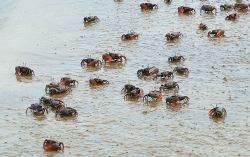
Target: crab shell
[{"x": 51, "y": 145}]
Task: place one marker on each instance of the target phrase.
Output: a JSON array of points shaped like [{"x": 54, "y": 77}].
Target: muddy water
[{"x": 49, "y": 37}]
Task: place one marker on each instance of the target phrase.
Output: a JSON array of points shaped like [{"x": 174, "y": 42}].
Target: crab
[
  {"x": 169, "y": 86},
  {"x": 37, "y": 109},
  {"x": 90, "y": 62},
  {"x": 176, "y": 59},
  {"x": 208, "y": 9},
  {"x": 233, "y": 17},
  {"x": 241, "y": 7},
  {"x": 217, "y": 113},
  {"x": 173, "y": 36},
  {"x": 134, "y": 94},
  {"x": 181, "y": 71},
  {"x": 67, "y": 112},
  {"x": 185, "y": 10},
  {"x": 90, "y": 19},
  {"x": 146, "y": 72},
  {"x": 217, "y": 33},
  {"x": 167, "y": 1},
  {"x": 148, "y": 6},
  {"x": 164, "y": 76},
  {"x": 176, "y": 100},
  {"x": 56, "y": 88},
  {"x": 97, "y": 82},
  {"x": 113, "y": 57},
  {"x": 130, "y": 36},
  {"x": 202, "y": 27},
  {"x": 67, "y": 81},
  {"x": 226, "y": 7},
  {"x": 51, "y": 145},
  {"x": 24, "y": 71},
  {"x": 128, "y": 88},
  {"x": 54, "y": 104},
  {"x": 153, "y": 96}
]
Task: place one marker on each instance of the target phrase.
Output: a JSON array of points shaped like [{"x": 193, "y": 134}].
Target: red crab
[
  {"x": 51, "y": 145},
  {"x": 113, "y": 57}
]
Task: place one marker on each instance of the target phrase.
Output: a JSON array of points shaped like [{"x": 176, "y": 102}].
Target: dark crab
[
  {"x": 202, "y": 27},
  {"x": 67, "y": 81},
  {"x": 217, "y": 33},
  {"x": 169, "y": 86},
  {"x": 181, "y": 71},
  {"x": 226, "y": 7},
  {"x": 167, "y": 1},
  {"x": 148, "y": 6},
  {"x": 51, "y": 145},
  {"x": 153, "y": 96},
  {"x": 130, "y": 36},
  {"x": 113, "y": 57},
  {"x": 67, "y": 112},
  {"x": 185, "y": 10},
  {"x": 90, "y": 19},
  {"x": 165, "y": 76},
  {"x": 37, "y": 109},
  {"x": 23, "y": 71},
  {"x": 134, "y": 94},
  {"x": 176, "y": 100},
  {"x": 176, "y": 59},
  {"x": 146, "y": 72},
  {"x": 208, "y": 9},
  {"x": 233, "y": 17},
  {"x": 56, "y": 88},
  {"x": 54, "y": 104},
  {"x": 97, "y": 82},
  {"x": 217, "y": 113},
  {"x": 173, "y": 36},
  {"x": 90, "y": 62},
  {"x": 128, "y": 88},
  {"x": 241, "y": 7}
]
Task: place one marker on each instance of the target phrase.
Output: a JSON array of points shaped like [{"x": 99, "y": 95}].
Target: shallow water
[{"x": 49, "y": 37}]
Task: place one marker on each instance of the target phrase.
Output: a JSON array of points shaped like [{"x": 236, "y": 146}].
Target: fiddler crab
[
  {"x": 172, "y": 36},
  {"x": 202, "y": 27},
  {"x": 153, "y": 96},
  {"x": 132, "y": 92},
  {"x": 56, "y": 88},
  {"x": 67, "y": 81},
  {"x": 233, "y": 17},
  {"x": 37, "y": 109},
  {"x": 217, "y": 33},
  {"x": 148, "y": 6},
  {"x": 217, "y": 113},
  {"x": 66, "y": 112},
  {"x": 208, "y": 9},
  {"x": 171, "y": 86},
  {"x": 241, "y": 7},
  {"x": 164, "y": 76},
  {"x": 91, "y": 63},
  {"x": 51, "y": 145},
  {"x": 177, "y": 100},
  {"x": 130, "y": 36},
  {"x": 147, "y": 72},
  {"x": 185, "y": 10},
  {"x": 24, "y": 71},
  {"x": 54, "y": 104},
  {"x": 226, "y": 7},
  {"x": 90, "y": 19},
  {"x": 97, "y": 82},
  {"x": 113, "y": 58},
  {"x": 176, "y": 59},
  {"x": 181, "y": 71}
]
